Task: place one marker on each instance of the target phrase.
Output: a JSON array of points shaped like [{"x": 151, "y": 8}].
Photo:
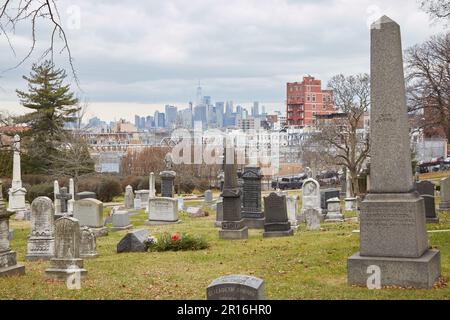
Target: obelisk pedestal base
[
  {"x": 234, "y": 234},
  {"x": 420, "y": 272},
  {"x": 254, "y": 223}
]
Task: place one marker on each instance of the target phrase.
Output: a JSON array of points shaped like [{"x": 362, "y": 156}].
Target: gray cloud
[{"x": 154, "y": 52}]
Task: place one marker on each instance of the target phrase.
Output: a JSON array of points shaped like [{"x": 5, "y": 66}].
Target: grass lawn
[{"x": 308, "y": 265}]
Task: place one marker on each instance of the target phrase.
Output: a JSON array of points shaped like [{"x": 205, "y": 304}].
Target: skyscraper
[
  {"x": 171, "y": 116},
  {"x": 219, "y": 114},
  {"x": 255, "y": 109},
  {"x": 159, "y": 119}
]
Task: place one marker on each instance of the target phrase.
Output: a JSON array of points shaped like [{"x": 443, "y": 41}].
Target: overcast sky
[{"x": 136, "y": 56}]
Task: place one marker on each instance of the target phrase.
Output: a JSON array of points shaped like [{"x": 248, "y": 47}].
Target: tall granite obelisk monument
[
  {"x": 393, "y": 235},
  {"x": 233, "y": 226}
]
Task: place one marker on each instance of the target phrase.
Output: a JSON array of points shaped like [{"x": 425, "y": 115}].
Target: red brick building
[{"x": 305, "y": 100}]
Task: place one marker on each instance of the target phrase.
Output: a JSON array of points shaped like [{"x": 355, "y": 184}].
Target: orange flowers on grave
[{"x": 175, "y": 237}]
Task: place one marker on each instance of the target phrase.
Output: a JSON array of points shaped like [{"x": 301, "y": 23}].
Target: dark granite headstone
[
  {"x": 236, "y": 287},
  {"x": 251, "y": 205},
  {"x": 133, "y": 241},
  {"x": 276, "y": 223},
  {"x": 426, "y": 191},
  {"x": 167, "y": 183}
]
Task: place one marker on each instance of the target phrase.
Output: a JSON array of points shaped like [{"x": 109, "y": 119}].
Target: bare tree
[
  {"x": 14, "y": 13},
  {"x": 437, "y": 9},
  {"x": 341, "y": 140},
  {"x": 428, "y": 82}
]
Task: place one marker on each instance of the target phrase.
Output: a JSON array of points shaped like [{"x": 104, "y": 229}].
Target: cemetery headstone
[
  {"x": 233, "y": 226},
  {"x": 88, "y": 243},
  {"x": 151, "y": 184},
  {"x": 17, "y": 192},
  {"x": 310, "y": 197},
  {"x": 167, "y": 183},
  {"x": 162, "y": 211},
  {"x": 208, "y": 197},
  {"x": 56, "y": 200},
  {"x": 41, "y": 241},
  {"x": 393, "y": 233},
  {"x": 334, "y": 210},
  {"x": 276, "y": 222},
  {"x": 67, "y": 260},
  {"x": 313, "y": 217},
  {"x": 133, "y": 241},
  {"x": 8, "y": 260},
  {"x": 445, "y": 194},
  {"x": 236, "y": 287},
  {"x": 252, "y": 212},
  {"x": 121, "y": 221},
  {"x": 291, "y": 206},
  {"x": 137, "y": 204},
  {"x": 350, "y": 201},
  {"x": 143, "y": 195},
  {"x": 71, "y": 201},
  {"x": 180, "y": 203},
  {"x": 129, "y": 197},
  {"x": 89, "y": 212},
  {"x": 326, "y": 195},
  {"x": 63, "y": 197},
  {"x": 219, "y": 214},
  {"x": 426, "y": 191}
]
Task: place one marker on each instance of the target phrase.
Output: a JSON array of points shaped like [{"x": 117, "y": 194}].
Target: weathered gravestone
[
  {"x": 120, "y": 221},
  {"x": 393, "y": 234},
  {"x": 219, "y": 214},
  {"x": 180, "y": 203},
  {"x": 208, "y": 197},
  {"x": 291, "y": 206},
  {"x": 334, "y": 210},
  {"x": 88, "y": 243},
  {"x": 162, "y": 211},
  {"x": 17, "y": 192},
  {"x": 151, "y": 186},
  {"x": 67, "y": 260},
  {"x": 233, "y": 226},
  {"x": 445, "y": 194},
  {"x": 129, "y": 197},
  {"x": 276, "y": 222},
  {"x": 137, "y": 204},
  {"x": 236, "y": 287},
  {"x": 57, "y": 201},
  {"x": 63, "y": 197},
  {"x": 71, "y": 201},
  {"x": 350, "y": 200},
  {"x": 426, "y": 191},
  {"x": 85, "y": 195},
  {"x": 89, "y": 212},
  {"x": 133, "y": 241},
  {"x": 8, "y": 261},
  {"x": 41, "y": 241},
  {"x": 313, "y": 217},
  {"x": 252, "y": 212},
  {"x": 143, "y": 196},
  {"x": 310, "y": 197}
]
